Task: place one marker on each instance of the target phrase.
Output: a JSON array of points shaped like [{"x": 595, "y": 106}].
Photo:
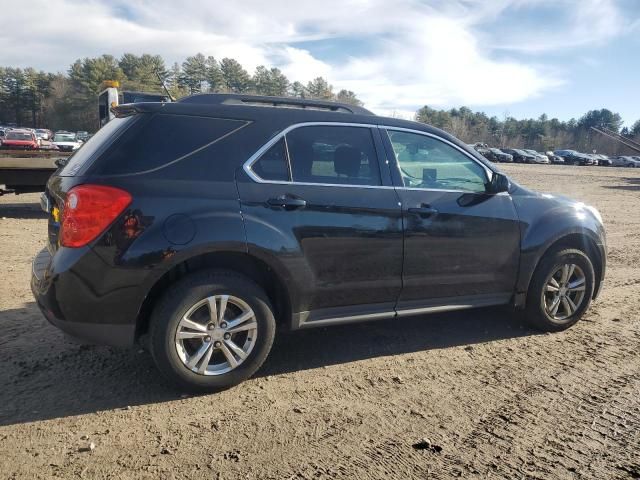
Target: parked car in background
[
  {"x": 497, "y": 155},
  {"x": 553, "y": 158},
  {"x": 82, "y": 135},
  {"x": 573, "y": 157},
  {"x": 43, "y": 134},
  {"x": 538, "y": 157},
  {"x": 20, "y": 139},
  {"x": 603, "y": 160},
  {"x": 66, "y": 141},
  {"x": 520, "y": 156},
  {"x": 625, "y": 161},
  {"x": 147, "y": 243}
]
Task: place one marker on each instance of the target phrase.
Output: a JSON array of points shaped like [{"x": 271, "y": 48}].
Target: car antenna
[{"x": 165, "y": 87}]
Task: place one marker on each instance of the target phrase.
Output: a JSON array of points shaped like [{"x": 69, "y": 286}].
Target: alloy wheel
[
  {"x": 564, "y": 292},
  {"x": 216, "y": 335}
]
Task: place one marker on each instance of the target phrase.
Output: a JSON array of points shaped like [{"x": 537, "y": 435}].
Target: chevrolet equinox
[{"x": 199, "y": 228}]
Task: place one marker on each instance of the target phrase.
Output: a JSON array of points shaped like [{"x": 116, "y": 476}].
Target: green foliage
[
  {"x": 270, "y": 82},
  {"x": 194, "y": 74},
  {"x": 235, "y": 78},
  {"x": 320, "y": 89}
]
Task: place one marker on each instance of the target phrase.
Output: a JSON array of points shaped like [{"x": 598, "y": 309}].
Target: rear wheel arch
[{"x": 242, "y": 263}]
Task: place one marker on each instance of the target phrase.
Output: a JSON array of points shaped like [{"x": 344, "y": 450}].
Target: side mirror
[{"x": 499, "y": 183}]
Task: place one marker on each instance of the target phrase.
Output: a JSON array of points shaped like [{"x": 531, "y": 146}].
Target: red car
[{"x": 20, "y": 140}]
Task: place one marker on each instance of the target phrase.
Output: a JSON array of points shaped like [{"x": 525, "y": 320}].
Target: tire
[
  {"x": 539, "y": 299},
  {"x": 180, "y": 300}
]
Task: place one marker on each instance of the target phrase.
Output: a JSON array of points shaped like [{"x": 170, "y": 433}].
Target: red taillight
[{"x": 88, "y": 211}]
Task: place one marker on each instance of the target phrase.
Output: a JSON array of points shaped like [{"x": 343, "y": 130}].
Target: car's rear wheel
[
  {"x": 560, "y": 290},
  {"x": 211, "y": 331}
]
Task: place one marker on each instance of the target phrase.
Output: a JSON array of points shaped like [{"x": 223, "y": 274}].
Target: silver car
[
  {"x": 625, "y": 161},
  {"x": 538, "y": 157}
]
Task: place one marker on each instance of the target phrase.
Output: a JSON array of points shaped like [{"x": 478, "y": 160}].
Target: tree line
[
  {"x": 540, "y": 134},
  {"x": 68, "y": 100},
  {"x": 33, "y": 98}
]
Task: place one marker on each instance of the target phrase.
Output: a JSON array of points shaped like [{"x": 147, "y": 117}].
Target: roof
[{"x": 266, "y": 101}]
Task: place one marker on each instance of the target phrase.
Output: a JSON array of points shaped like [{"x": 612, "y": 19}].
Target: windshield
[
  {"x": 63, "y": 137},
  {"x": 19, "y": 136}
]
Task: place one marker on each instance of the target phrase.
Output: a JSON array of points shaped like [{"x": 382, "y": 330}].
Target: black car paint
[
  {"x": 340, "y": 257},
  {"x": 518, "y": 157}
]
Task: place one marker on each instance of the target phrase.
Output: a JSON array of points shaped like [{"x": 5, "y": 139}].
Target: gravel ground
[{"x": 492, "y": 398}]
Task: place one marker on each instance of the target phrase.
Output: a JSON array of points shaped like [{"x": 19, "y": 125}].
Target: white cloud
[
  {"x": 300, "y": 65},
  {"x": 436, "y": 52}
]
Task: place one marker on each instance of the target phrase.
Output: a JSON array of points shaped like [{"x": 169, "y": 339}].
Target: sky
[{"x": 519, "y": 58}]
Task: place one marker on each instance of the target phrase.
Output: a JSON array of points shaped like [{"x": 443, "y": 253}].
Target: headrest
[{"x": 346, "y": 161}]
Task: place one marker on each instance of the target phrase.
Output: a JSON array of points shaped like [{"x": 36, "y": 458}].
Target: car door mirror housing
[{"x": 499, "y": 183}]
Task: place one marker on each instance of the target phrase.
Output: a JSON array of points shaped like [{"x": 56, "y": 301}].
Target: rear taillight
[{"x": 88, "y": 211}]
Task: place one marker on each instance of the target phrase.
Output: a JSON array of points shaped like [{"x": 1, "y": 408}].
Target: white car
[
  {"x": 66, "y": 142},
  {"x": 539, "y": 157}
]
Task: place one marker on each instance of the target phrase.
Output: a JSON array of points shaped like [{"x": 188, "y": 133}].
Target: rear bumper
[{"x": 61, "y": 295}]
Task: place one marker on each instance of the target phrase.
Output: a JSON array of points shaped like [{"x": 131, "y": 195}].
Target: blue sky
[{"x": 515, "y": 57}]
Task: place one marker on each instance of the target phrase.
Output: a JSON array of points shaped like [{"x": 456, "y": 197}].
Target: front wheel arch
[{"x": 577, "y": 241}]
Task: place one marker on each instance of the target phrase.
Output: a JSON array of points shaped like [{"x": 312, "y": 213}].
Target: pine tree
[
  {"x": 319, "y": 88},
  {"x": 270, "y": 82},
  {"x": 235, "y": 78},
  {"x": 347, "y": 96},
  {"x": 194, "y": 73},
  {"x": 213, "y": 75}
]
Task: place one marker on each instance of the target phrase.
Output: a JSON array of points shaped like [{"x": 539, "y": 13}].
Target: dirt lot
[{"x": 494, "y": 398}]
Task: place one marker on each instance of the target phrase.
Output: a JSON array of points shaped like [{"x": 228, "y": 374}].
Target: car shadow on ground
[
  {"x": 632, "y": 184},
  {"x": 60, "y": 379},
  {"x": 21, "y": 210}
]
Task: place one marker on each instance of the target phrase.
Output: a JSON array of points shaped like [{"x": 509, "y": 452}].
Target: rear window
[
  {"x": 104, "y": 136},
  {"x": 163, "y": 139}
]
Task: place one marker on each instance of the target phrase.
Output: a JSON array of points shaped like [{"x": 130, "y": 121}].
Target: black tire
[
  {"x": 174, "y": 304},
  {"x": 536, "y": 313}
]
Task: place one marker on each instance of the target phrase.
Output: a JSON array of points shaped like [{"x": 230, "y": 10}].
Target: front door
[{"x": 461, "y": 244}]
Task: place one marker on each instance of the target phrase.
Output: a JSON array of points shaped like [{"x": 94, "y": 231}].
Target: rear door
[
  {"x": 318, "y": 201},
  {"x": 461, "y": 245}
]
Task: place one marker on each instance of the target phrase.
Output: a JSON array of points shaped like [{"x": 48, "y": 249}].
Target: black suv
[{"x": 199, "y": 228}]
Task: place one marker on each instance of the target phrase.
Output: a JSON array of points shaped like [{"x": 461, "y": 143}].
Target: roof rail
[{"x": 264, "y": 101}]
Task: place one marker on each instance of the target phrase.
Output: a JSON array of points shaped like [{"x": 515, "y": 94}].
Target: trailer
[{"x": 23, "y": 171}]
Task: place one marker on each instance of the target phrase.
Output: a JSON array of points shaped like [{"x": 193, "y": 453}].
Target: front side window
[
  {"x": 426, "y": 162},
  {"x": 333, "y": 155}
]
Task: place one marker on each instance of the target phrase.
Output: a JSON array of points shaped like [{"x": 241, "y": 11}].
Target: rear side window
[
  {"x": 272, "y": 165},
  {"x": 333, "y": 155},
  {"x": 79, "y": 160},
  {"x": 164, "y": 139}
]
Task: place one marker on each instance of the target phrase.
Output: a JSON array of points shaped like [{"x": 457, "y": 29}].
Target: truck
[{"x": 111, "y": 97}]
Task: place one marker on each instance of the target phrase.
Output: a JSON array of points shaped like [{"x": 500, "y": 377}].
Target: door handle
[
  {"x": 423, "y": 211},
  {"x": 287, "y": 202}
]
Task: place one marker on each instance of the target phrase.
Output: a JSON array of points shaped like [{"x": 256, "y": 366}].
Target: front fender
[{"x": 546, "y": 220}]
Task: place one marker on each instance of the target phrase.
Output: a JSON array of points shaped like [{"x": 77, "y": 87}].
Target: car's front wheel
[
  {"x": 211, "y": 331},
  {"x": 560, "y": 290}
]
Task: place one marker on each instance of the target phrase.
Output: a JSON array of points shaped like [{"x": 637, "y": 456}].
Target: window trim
[
  {"x": 282, "y": 134},
  {"x": 489, "y": 172},
  {"x": 256, "y": 156}
]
